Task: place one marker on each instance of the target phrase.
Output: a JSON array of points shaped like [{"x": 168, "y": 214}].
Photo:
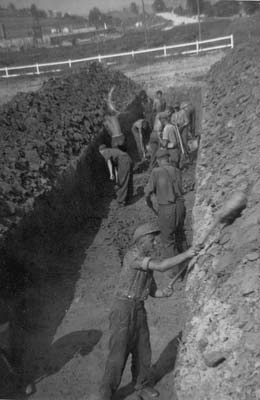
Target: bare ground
[{"x": 65, "y": 356}]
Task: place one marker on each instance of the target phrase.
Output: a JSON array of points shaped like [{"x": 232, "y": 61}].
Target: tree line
[
  {"x": 222, "y": 8},
  {"x": 35, "y": 12}
]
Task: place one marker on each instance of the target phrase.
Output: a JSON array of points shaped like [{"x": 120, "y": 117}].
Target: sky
[{"x": 81, "y": 7}]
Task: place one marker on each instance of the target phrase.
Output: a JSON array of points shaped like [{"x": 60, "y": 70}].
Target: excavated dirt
[{"x": 220, "y": 357}]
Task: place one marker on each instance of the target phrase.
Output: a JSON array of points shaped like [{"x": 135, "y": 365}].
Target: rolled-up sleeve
[{"x": 141, "y": 263}]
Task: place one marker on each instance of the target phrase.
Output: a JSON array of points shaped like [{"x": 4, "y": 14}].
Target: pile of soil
[
  {"x": 44, "y": 131},
  {"x": 220, "y": 356}
]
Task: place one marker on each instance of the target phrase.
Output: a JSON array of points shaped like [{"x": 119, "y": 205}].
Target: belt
[
  {"x": 171, "y": 148},
  {"x": 135, "y": 300}
]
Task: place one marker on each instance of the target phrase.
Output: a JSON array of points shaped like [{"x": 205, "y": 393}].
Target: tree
[
  {"x": 34, "y": 11},
  {"x": 159, "y": 6},
  {"x": 251, "y": 7},
  {"x": 12, "y": 8},
  {"x": 134, "y": 8},
  {"x": 179, "y": 11},
  {"x": 95, "y": 17},
  {"x": 192, "y": 6},
  {"x": 225, "y": 8},
  {"x": 208, "y": 9}
]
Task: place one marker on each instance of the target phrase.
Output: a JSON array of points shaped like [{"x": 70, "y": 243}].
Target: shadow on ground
[
  {"x": 163, "y": 366},
  {"x": 42, "y": 304}
]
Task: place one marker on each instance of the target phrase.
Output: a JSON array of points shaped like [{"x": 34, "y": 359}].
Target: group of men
[
  {"x": 128, "y": 320},
  {"x": 162, "y": 127}
]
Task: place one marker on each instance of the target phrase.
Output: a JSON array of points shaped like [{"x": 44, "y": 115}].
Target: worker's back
[{"x": 166, "y": 184}]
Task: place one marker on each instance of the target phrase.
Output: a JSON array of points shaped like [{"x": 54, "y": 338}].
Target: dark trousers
[
  {"x": 181, "y": 241},
  {"x": 184, "y": 132},
  {"x": 129, "y": 335},
  {"x": 154, "y": 146},
  {"x": 125, "y": 178},
  {"x": 167, "y": 225},
  {"x": 174, "y": 156},
  {"x": 171, "y": 219}
]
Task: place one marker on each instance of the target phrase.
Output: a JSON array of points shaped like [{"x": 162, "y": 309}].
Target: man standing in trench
[
  {"x": 165, "y": 183},
  {"x": 128, "y": 320},
  {"x": 120, "y": 162}
]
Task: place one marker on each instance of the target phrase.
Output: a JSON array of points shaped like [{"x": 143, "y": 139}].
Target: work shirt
[
  {"x": 136, "y": 281},
  {"x": 180, "y": 118},
  {"x": 157, "y": 126},
  {"x": 159, "y": 105},
  {"x": 114, "y": 155},
  {"x": 169, "y": 133},
  {"x": 165, "y": 183}
]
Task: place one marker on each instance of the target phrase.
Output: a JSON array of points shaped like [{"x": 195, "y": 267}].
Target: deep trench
[{"x": 56, "y": 252}]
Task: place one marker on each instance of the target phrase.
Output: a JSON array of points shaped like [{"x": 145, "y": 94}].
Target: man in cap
[
  {"x": 156, "y": 139},
  {"x": 128, "y": 320},
  {"x": 165, "y": 183},
  {"x": 119, "y": 161},
  {"x": 191, "y": 113},
  {"x": 170, "y": 141},
  {"x": 180, "y": 118}
]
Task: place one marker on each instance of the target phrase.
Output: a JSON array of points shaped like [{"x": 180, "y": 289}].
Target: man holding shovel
[
  {"x": 165, "y": 183},
  {"x": 128, "y": 320}
]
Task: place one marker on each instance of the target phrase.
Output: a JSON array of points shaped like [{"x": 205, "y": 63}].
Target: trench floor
[{"x": 66, "y": 351}]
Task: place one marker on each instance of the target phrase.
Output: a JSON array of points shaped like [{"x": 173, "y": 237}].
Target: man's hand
[
  {"x": 198, "y": 247},
  {"x": 167, "y": 292},
  {"x": 149, "y": 202},
  {"x": 191, "y": 252},
  {"x": 112, "y": 178}
]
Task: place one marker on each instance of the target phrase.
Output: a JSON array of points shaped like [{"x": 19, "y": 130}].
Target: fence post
[
  {"x": 37, "y": 69},
  {"x": 6, "y": 72},
  {"x": 133, "y": 53},
  {"x": 232, "y": 41},
  {"x": 164, "y": 51},
  {"x": 99, "y": 58},
  {"x": 197, "y": 47},
  {"x": 70, "y": 63}
]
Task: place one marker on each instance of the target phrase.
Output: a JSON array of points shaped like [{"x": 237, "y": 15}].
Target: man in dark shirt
[
  {"x": 120, "y": 162},
  {"x": 165, "y": 183},
  {"x": 191, "y": 113},
  {"x": 128, "y": 320}
]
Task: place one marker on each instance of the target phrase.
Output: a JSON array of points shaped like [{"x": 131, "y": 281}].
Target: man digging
[
  {"x": 128, "y": 320},
  {"x": 166, "y": 185}
]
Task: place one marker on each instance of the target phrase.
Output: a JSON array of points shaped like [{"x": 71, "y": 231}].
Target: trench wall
[{"x": 219, "y": 357}]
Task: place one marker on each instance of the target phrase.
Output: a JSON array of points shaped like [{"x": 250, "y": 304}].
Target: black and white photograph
[{"x": 129, "y": 199}]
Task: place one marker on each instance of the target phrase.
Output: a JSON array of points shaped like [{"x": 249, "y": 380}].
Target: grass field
[{"x": 129, "y": 41}]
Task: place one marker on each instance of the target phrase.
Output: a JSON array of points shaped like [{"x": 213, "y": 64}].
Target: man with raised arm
[{"x": 128, "y": 320}]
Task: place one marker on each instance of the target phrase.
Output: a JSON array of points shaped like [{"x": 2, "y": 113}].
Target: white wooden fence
[{"x": 196, "y": 47}]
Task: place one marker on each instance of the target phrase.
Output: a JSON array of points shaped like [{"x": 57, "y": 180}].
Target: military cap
[{"x": 144, "y": 230}]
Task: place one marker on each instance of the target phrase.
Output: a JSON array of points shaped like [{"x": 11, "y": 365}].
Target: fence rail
[{"x": 37, "y": 69}]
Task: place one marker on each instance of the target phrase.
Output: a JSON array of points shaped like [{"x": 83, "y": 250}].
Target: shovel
[{"x": 230, "y": 210}]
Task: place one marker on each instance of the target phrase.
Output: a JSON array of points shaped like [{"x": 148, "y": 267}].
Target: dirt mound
[
  {"x": 42, "y": 132},
  {"x": 219, "y": 358}
]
